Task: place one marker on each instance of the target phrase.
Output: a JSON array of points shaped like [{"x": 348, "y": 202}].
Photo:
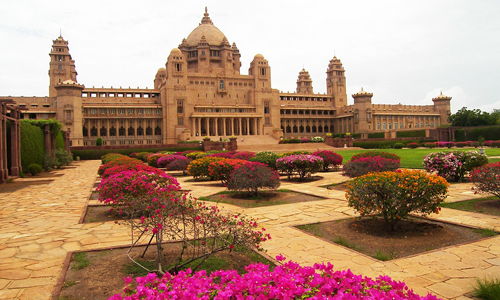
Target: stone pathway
[{"x": 39, "y": 225}]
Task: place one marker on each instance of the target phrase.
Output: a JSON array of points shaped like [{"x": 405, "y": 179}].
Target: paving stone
[
  {"x": 15, "y": 274},
  {"x": 447, "y": 290},
  {"x": 10, "y": 294}
]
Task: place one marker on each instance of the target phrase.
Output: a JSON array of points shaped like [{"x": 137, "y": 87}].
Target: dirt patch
[
  {"x": 371, "y": 237},
  {"x": 103, "y": 277},
  {"x": 295, "y": 179},
  {"x": 101, "y": 213},
  {"x": 262, "y": 199},
  {"x": 338, "y": 186}
]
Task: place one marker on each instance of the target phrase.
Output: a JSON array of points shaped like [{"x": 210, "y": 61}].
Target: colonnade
[{"x": 225, "y": 126}]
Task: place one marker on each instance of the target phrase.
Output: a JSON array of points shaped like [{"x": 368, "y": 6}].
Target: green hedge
[
  {"x": 383, "y": 144},
  {"x": 97, "y": 154},
  {"x": 32, "y": 144},
  {"x": 412, "y": 133},
  {"x": 60, "y": 140},
  {"x": 376, "y": 135},
  {"x": 488, "y": 133}
]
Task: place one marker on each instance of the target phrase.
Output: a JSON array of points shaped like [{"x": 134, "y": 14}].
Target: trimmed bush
[
  {"x": 453, "y": 165},
  {"x": 330, "y": 159},
  {"x": 98, "y": 142},
  {"x": 430, "y": 145},
  {"x": 413, "y": 145},
  {"x": 461, "y": 144},
  {"x": 199, "y": 167},
  {"x": 487, "y": 178},
  {"x": 98, "y": 153},
  {"x": 305, "y": 140},
  {"x": 35, "y": 169},
  {"x": 59, "y": 140},
  {"x": 32, "y": 145},
  {"x": 304, "y": 152},
  {"x": 110, "y": 156},
  {"x": 179, "y": 165},
  {"x": 375, "y": 153},
  {"x": 131, "y": 167},
  {"x": 194, "y": 155},
  {"x": 63, "y": 158},
  {"x": 365, "y": 165},
  {"x": 252, "y": 177},
  {"x": 318, "y": 139},
  {"x": 376, "y": 135},
  {"x": 303, "y": 164},
  {"x": 395, "y": 195},
  {"x": 398, "y": 146},
  {"x": 143, "y": 156},
  {"x": 245, "y": 155},
  {"x": 266, "y": 157},
  {"x": 228, "y": 155}
]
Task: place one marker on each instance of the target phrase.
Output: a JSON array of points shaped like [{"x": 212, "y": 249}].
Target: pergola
[{"x": 10, "y": 145}]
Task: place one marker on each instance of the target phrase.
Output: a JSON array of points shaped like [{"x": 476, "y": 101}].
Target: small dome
[
  {"x": 259, "y": 56},
  {"x": 175, "y": 51},
  {"x": 362, "y": 93},
  {"x": 442, "y": 97}
]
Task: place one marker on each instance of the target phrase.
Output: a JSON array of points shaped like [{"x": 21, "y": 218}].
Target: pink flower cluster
[
  {"x": 289, "y": 281},
  {"x": 302, "y": 164}
]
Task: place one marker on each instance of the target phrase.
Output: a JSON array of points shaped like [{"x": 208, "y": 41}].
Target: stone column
[
  {"x": 255, "y": 126},
  {"x": 232, "y": 126},
  {"x": 4, "y": 173},
  {"x": 240, "y": 121},
  {"x": 193, "y": 126},
  {"x": 14, "y": 143},
  {"x": 48, "y": 143},
  {"x": 248, "y": 126},
  {"x": 224, "y": 125},
  {"x": 216, "y": 123}
]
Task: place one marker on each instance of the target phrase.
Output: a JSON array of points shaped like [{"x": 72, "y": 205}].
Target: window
[
  {"x": 131, "y": 131},
  {"x": 140, "y": 111},
  {"x": 130, "y": 111},
  {"x": 221, "y": 84},
  {"x": 102, "y": 111},
  {"x": 121, "y": 111},
  {"x": 267, "y": 121},
  {"x": 157, "y": 111},
  {"x": 121, "y": 131},
  {"x": 180, "y": 121},
  {"x": 180, "y": 107},
  {"x": 93, "y": 111},
  {"x": 266, "y": 107},
  {"x": 112, "y": 131},
  {"x": 112, "y": 111},
  {"x": 104, "y": 131},
  {"x": 149, "y": 111},
  {"x": 157, "y": 130},
  {"x": 385, "y": 126},
  {"x": 178, "y": 67},
  {"x": 262, "y": 71},
  {"x": 68, "y": 114}
]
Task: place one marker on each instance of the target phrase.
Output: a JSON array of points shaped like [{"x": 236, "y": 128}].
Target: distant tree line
[{"x": 475, "y": 117}]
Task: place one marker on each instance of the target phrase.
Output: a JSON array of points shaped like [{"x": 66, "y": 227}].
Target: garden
[{"x": 183, "y": 234}]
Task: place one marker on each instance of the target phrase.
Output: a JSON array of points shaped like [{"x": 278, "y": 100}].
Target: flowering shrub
[
  {"x": 374, "y": 153},
  {"x": 445, "y": 144},
  {"x": 153, "y": 159},
  {"x": 295, "y": 153},
  {"x": 413, "y": 145},
  {"x": 223, "y": 154},
  {"x": 287, "y": 281},
  {"x": 493, "y": 144},
  {"x": 155, "y": 206},
  {"x": 302, "y": 164},
  {"x": 317, "y": 139},
  {"x": 193, "y": 155},
  {"x": 131, "y": 167},
  {"x": 460, "y": 144},
  {"x": 454, "y": 165},
  {"x": 119, "y": 161},
  {"x": 110, "y": 156},
  {"x": 330, "y": 159},
  {"x": 184, "y": 153},
  {"x": 305, "y": 140},
  {"x": 395, "y": 195},
  {"x": 179, "y": 165},
  {"x": 222, "y": 169},
  {"x": 487, "y": 178},
  {"x": 143, "y": 156},
  {"x": 365, "y": 165},
  {"x": 245, "y": 155},
  {"x": 430, "y": 145},
  {"x": 266, "y": 157},
  {"x": 253, "y": 176},
  {"x": 165, "y": 160},
  {"x": 199, "y": 167}
]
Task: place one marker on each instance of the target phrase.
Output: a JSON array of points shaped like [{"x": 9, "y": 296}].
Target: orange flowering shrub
[
  {"x": 199, "y": 167},
  {"x": 221, "y": 170},
  {"x": 395, "y": 195}
]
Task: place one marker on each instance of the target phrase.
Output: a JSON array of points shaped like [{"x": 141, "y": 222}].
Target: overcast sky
[{"x": 401, "y": 51}]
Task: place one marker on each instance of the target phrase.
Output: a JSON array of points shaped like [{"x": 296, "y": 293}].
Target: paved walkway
[{"x": 39, "y": 226}]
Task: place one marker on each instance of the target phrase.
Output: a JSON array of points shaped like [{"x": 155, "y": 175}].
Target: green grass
[
  {"x": 311, "y": 228},
  {"x": 80, "y": 260},
  {"x": 486, "y": 232},
  {"x": 343, "y": 242},
  {"x": 473, "y": 206},
  {"x": 413, "y": 158},
  {"x": 487, "y": 289},
  {"x": 135, "y": 270},
  {"x": 248, "y": 204},
  {"x": 68, "y": 283},
  {"x": 382, "y": 256}
]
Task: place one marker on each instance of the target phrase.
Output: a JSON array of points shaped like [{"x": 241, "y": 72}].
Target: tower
[
  {"x": 61, "y": 67},
  {"x": 304, "y": 83},
  {"x": 335, "y": 82}
]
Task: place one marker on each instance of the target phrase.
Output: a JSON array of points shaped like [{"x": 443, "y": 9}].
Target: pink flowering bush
[
  {"x": 454, "y": 165},
  {"x": 153, "y": 159},
  {"x": 252, "y": 177},
  {"x": 165, "y": 160},
  {"x": 155, "y": 206},
  {"x": 487, "y": 178},
  {"x": 288, "y": 281},
  {"x": 245, "y": 155},
  {"x": 374, "y": 153},
  {"x": 301, "y": 164},
  {"x": 412, "y": 145},
  {"x": 179, "y": 165},
  {"x": 305, "y": 140},
  {"x": 365, "y": 165},
  {"x": 223, "y": 154},
  {"x": 430, "y": 145},
  {"x": 130, "y": 167},
  {"x": 330, "y": 159},
  {"x": 124, "y": 160}
]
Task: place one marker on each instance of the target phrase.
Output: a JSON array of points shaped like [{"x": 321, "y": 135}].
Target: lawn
[{"x": 413, "y": 158}]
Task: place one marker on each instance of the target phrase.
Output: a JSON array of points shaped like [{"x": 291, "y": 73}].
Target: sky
[{"x": 401, "y": 51}]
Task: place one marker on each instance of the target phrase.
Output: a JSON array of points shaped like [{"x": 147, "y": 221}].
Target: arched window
[
  {"x": 308, "y": 129},
  {"x": 104, "y": 131},
  {"x": 93, "y": 131},
  {"x": 85, "y": 131},
  {"x": 326, "y": 128},
  {"x": 288, "y": 129},
  {"x": 140, "y": 130},
  {"x": 157, "y": 130},
  {"x": 301, "y": 129},
  {"x": 121, "y": 131},
  {"x": 149, "y": 130},
  {"x": 314, "y": 128},
  {"x": 131, "y": 131},
  {"x": 295, "y": 129}
]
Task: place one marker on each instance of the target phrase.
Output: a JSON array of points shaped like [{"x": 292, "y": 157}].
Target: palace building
[{"x": 201, "y": 92}]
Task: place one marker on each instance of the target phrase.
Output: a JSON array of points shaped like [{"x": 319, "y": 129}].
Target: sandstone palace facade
[{"x": 201, "y": 92}]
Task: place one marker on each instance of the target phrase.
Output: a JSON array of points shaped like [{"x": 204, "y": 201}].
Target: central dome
[{"x": 212, "y": 34}]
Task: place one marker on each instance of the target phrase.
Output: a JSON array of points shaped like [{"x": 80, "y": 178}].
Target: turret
[
  {"x": 335, "y": 82},
  {"x": 61, "y": 67},
  {"x": 442, "y": 106},
  {"x": 304, "y": 83}
]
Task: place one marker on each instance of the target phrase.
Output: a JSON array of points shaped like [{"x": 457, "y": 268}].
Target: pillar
[
  {"x": 224, "y": 132},
  {"x": 216, "y": 123},
  {"x": 14, "y": 143},
  {"x": 248, "y": 126}
]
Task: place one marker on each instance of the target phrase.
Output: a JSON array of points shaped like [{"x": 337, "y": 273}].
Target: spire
[{"x": 206, "y": 18}]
